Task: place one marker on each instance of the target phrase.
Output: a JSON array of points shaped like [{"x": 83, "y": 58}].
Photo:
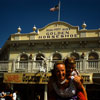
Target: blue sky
[{"x": 27, "y": 13}]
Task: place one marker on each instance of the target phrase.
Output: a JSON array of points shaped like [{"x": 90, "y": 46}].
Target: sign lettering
[
  {"x": 57, "y": 33},
  {"x": 26, "y": 78}
]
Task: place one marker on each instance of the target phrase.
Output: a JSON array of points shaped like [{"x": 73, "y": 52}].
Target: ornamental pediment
[{"x": 57, "y": 30}]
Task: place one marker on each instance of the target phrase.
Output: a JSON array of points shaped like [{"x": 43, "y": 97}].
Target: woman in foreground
[{"x": 61, "y": 87}]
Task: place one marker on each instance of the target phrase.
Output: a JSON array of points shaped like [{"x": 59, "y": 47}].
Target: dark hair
[
  {"x": 53, "y": 70},
  {"x": 69, "y": 60}
]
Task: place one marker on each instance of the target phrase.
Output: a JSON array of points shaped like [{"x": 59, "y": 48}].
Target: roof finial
[
  {"x": 84, "y": 26},
  {"x": 19, "y": 29},
  {"x": 34, "y": 28}
]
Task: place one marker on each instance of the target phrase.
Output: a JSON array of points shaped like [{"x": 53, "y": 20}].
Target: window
[
  {"x": 23, "y": 57},
  {"x": 75, "y": 56},
  {"x": 40, "y": 57},
  {"x": 93, "y": 56},
  {"x": 57, "y": 56}
]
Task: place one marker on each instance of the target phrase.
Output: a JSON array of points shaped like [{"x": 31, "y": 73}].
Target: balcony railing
[
  {"x": 4, "y": 66},
  {"x": 84, "y": 66}
]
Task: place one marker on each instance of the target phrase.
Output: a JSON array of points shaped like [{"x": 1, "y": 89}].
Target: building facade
[{"x": 26, "y": 59}]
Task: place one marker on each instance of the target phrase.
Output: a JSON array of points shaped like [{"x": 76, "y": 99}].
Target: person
[
  {"x": 15, "y": 95},
  {"x": 3, "y": 95},
  {"x": 9, "y": 96},
  {"x": 70, "y": 64},
  {"x": 38, "y": 97},
  {"x": 71, "y": 71},
  {"x": 61, "y": 88}
]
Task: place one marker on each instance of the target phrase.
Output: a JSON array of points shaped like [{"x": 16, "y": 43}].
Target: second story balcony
[{"x": 83, "y": 66}]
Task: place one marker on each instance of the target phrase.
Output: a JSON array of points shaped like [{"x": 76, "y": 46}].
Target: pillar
[
  {"x": 13, "y": 66},
  {"x": 45, "y": 92}
]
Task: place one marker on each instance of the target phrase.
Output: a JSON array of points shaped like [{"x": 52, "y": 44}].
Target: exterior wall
[
  {"x": 55, "y": 38},
  {"x": 92, "y": 34}
]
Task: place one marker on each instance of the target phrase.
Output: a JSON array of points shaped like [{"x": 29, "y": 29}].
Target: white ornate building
[{"x": 27, "y": 58}]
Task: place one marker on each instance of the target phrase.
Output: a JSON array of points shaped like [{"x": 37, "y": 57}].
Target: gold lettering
[
  {"x": 67, "y": 32},
  {"x": 53, "y": 36},
  {"x": 44, "y": 37},
  {"x": 57, "y": 36},
  {"x": 51, "y": 33},
  {"x": 71, "y": 35},
  {"x": 57, "y": 29},
  {"x": 28, "y": 78},
  {"x": 62, "y": 36},
  {"x": 40, "y": 37},
  {"x": 47, "y": 33},
  {"x": 48, "y": 36},
  {"x": 75, "y": 35}
]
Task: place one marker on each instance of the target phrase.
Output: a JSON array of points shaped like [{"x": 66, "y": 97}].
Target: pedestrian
[{"x": 3, "y": 95}]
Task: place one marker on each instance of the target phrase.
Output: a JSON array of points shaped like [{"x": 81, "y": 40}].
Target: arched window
[
  {"x": 23, "y": 57},
  {"x": 23, "y": 65},
  {"x": 57, "y": 56},
  {"x": 40, "y": 56},
  {"x": 93, "y": 60},
  {"x": 40, "y": 62},
  {"x": 93, "y": 56},
  {"x": 75, "y": 56}
]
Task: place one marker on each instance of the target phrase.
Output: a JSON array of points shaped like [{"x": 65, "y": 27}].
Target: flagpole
[{"x": 59, "y": 12}]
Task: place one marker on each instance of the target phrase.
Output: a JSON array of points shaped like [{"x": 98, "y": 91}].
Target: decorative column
[
  {"x": 98, "y": 65},
  {"x": 29, "y": 66},
  {"x": 85, "y": 63},
  {"x": 13, "y": 66},
  {"x": 46, "y": 62},
  {"x": 45, "y": 92},
  {"x": 83, "y": 57},
  {"x": 18, "y": 61},
  {"x": 34, "y": 66}
]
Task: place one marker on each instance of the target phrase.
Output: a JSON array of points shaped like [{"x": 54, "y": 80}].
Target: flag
[{"x": 55, "y": 8}]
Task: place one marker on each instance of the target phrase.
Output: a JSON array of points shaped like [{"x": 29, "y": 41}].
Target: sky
[{"x": 27, "y": 13}]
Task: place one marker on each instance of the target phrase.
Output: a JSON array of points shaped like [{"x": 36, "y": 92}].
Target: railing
[
  {"x": 35, "y": 66},
  {"x": 4, "y": 66},
  {"x": 93, "y": 65},
  {"x": 79, "y": 65}
]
